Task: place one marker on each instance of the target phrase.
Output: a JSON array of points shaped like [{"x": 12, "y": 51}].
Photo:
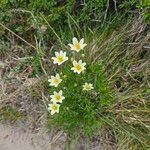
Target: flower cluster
[{"x": 78, "y": 66}]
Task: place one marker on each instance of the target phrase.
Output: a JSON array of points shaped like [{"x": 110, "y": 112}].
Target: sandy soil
[{"x": 17, "y": 138}]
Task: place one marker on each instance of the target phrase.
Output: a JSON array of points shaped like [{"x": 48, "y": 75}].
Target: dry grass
[
  {"x": 20, "y": 92},
  {"x": 125, "y": 55}
]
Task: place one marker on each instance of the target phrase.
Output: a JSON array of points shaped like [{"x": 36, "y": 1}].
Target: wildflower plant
[{"x": 78, "y": 90}]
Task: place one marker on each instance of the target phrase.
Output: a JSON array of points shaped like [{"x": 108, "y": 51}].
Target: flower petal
[
  {"x": 74, "y": 62},
  {"x": 57, "y": 75},
  {"x": 52, "y": 96},
  {"x": 64, "y": 54},
  {"x": 70, "y": 45},
  {"x": 63, "y": 97},
  {"x": 56, "y": 54},
  {"x": 61, "y": 92},
  {"x": 80, "y": 62},
  {"x": 74, "y": 41},
  {"x": 81, "y": 41},
  {"x": 57, "y": 110},
  {"x": 83, "y": 45},
  {"x": 49, "y": 80},
  {"x": 84, "y": 64},
  {"x": 52, "y": 112}
]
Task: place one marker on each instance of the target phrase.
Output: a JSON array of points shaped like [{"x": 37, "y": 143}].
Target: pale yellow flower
[
  {"x": 82, "y": 55},
  {"x": 55, "y": 80},
  {"x": 77, "y": 46},
  {"x": 57, "y": 97},
  {"x": 78, "y": 67},
  {"x": 43, "y": 28},
  {"x": 54, "y": 108},
  {"x": 60, "y": 58},
  {"x": 72, "y": 59},
  {"x": 88, "y": 87}
]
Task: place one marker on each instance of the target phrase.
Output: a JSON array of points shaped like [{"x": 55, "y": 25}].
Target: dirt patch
[
  {"x": 20, "y": 137},
  {"x": 17, "y": 137}
]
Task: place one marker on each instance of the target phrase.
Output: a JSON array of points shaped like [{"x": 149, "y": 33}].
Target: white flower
[
  {"x": 43, "y": 28},
  {"x": 77, "y": 46},
  {"x": 88, "y": 87},
  {"x": 57, "y": 97},
  {"x": 54, "y": 108},
  {"x": 55, "y": 80},
  {"x": 60, "y": 57},
  {"x": 78, "y": 67},
  {"x": 82, "y": 55},
  {"x": 72, "y": 59}
]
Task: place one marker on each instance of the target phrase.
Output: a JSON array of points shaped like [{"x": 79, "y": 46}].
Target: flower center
[
  {"x": 54, "y": 107},
  {"x": 88, "y": 87},
  {"x": 56, "y": 80},
  {"x": 57, "y": 97},
  {"x": 77, "y": 46},
  {"x": 78, "y": 67},
  {"x": 60, "y": 58}
]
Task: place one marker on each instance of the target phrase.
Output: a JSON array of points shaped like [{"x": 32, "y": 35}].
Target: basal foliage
[{"x": 81, "y": 108}]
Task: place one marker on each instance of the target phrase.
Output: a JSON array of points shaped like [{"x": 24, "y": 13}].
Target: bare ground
[{"x": 18, "y": 137}]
